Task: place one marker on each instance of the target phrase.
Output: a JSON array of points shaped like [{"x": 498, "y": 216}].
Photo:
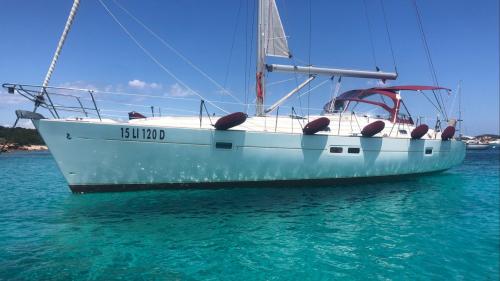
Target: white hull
[
  {"x": 97, "y": 157},
  {"x": 103, "y": 155}
]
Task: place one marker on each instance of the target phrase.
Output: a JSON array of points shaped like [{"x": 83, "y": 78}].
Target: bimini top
[{"x": 387, "y": 98}]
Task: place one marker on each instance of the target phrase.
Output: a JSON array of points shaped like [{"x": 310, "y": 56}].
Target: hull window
[
  {"x": 223, "y": 145},
  {"x": 354, "y": 150},
  {"x": 428, "y": 151},
  {"x": 336, "y": 149}
]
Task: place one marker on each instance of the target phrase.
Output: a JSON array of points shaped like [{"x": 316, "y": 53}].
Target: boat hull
[
  {"x": 114, "y": 157},
  {"x": 477, "y": 146}
]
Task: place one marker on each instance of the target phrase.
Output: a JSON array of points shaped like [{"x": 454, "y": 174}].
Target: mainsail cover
[{"x": 275, "y": 43}]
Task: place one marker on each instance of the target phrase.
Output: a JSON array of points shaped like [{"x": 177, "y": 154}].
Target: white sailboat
[
  {"x": 97, "y": 154},
  {"x": 476, "y": 145}
]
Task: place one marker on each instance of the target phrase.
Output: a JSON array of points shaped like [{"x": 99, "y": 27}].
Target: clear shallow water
[{"x": 444, "y": 226}]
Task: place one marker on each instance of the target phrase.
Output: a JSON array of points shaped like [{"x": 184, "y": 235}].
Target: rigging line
[
  {"x": 279, "y": 82},
  {"x": 332, "y": 87},
  {"x": 336, "y": 93},
  {"x": 250, "y": 57},
  {"x": 165, "y": 108},
  {"x": 154, "y": 59},
  {"x": 315, "y": 87},
  {"x": 389, "y": 36},
  {"x": 297, "y": 84},
  {"x": 159, "y": 97},
  {"x": 171, "y": 48},
  {"x": 438, "y": 109},
  {"x": 332, "y": 91},
  {"x": 439, "y": 100},
  {"x": 246, "y": 57},
  {"x": 309, "y": 57},
  {"x": 139, "y": 105},
  {"x": 370, "y": 34},
  {"x": 450, "y": 112},
  {"x": 152, "y": 96},
  {"x": 142, "y": 96},
  {"x": 232, "y": 44},
  {"x": 424, "y": 41},
  {"x": 294, "y": 62}
]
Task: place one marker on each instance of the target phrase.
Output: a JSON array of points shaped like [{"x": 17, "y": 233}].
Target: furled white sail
[{"x": 275, "y": 43}]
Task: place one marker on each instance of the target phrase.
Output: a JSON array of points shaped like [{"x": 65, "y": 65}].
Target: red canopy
[
  {"x": 411, "y": 88},
  {"x": 390, "y": 92}
]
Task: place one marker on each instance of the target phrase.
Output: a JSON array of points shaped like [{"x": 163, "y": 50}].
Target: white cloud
[
  {"x": 11, "y": 99},
  {"x": 177, "y": 90},
  {"x": 108, "y": 88},
  {"x": 139, "y": 84},
  {"x": 78, "y": 85},
  {"x": 155, "y": 86},
  {"x": 25, "y": 124}
]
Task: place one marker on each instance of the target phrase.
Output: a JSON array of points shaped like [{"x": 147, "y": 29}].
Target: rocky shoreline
[{"x": 14, "y": 147}]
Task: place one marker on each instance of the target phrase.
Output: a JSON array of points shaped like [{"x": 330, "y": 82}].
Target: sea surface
[{"x": 437, "y": 227}]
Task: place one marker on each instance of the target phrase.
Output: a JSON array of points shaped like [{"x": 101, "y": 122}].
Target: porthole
[
  {"x": 336, "y": 149},
  {"x": 354, "y": 150},
  {"x": 223, "y": 145}
]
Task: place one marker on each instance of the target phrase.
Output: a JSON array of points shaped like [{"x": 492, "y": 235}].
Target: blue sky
[{"x": 462, "y": 36}]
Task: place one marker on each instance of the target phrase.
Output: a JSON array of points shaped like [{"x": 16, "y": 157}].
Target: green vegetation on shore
[{"x": 20, "y": 136}]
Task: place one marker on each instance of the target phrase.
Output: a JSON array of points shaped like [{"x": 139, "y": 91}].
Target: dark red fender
[
  {"x": 419, "y": 132},
  {"x": 448, "y": 133},
  {"x": 315, "y": 126},
  {"x": 373, "y": 128},
  {"x": 230, "y": 120}
]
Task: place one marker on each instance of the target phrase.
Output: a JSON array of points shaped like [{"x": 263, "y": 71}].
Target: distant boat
[
  {"x": 495, "y": 142},
  {"x": 476, "y": 145}
]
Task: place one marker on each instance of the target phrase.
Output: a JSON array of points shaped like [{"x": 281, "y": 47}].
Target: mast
[
  {"x": 460, "y": 109},
  {"x": 261, "y": 57},
  {"x": 272, "y": 41},
  {"x": 66, "y": 30}
]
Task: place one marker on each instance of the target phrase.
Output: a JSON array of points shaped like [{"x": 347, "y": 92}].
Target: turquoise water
[{"x": 443, "y": 226}]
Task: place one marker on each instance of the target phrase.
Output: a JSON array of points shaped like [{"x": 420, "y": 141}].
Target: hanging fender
[
  {"x": 230, "y": 120},
  {"x": 315, "y": 126},
  {"x": 448, "y": 133},
  {"x": 373, "y": 128},
  {"x": 419, "y": 132}
]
